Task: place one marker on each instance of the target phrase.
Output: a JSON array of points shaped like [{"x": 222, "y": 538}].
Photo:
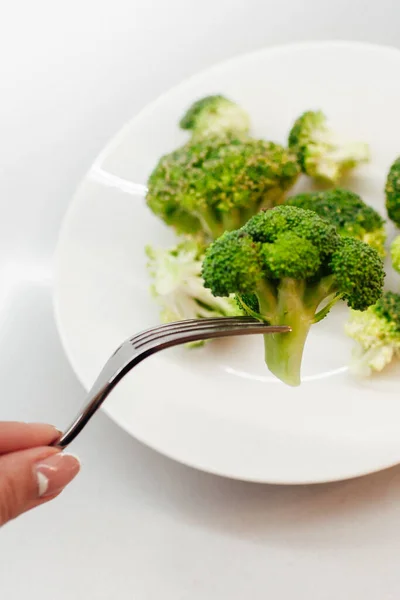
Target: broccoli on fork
[
  {"x": 216, "y": 184},
  {"x": 319, "y": 154},
  {"x": 283, "y": 265},
  {"x": 213, "y": 116},
  {"x": 347, "y": 212}
]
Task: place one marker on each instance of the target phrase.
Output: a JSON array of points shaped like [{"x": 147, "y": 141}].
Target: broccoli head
[
  {"x": 395, "y": 253},
  {"x": 287, "y": 266},
  {"x": 348, "y": 213},
  {"x": 215, "y": 115},
  {"x": 178, "y": 287},
  {"x": 392, "y": 192},
  {"x": 217, "y": 184},
  {"x": 377, "y": 333},
  {"x": 320, "y": 155}
]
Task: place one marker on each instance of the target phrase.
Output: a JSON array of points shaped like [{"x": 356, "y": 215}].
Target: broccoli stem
[
  {"x": 211, "y": 224},
  {"x": 323, "y": 290},
  {"x": 283, "y": 353},
  {"x": 267, "y": 299},
  {"x": 232, "y": 219},
  {"x": 295, "y": 305},
  {"x": 215, "y": 223},
  {"x": 271, "y": 198}
]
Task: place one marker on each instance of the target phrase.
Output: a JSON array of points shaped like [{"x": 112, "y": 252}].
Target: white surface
[
  {"x": 218, "y": 408},
  {"x": 135, "y": 525}
]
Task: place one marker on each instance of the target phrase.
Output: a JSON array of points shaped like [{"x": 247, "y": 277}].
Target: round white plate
[{"x": 218, "y": 408}]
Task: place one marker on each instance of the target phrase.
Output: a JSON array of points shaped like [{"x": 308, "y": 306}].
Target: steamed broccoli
[
  {"x": 179, "y": 288},
  {"x": 291, "y": 261},
  {"x": 395, "y": 253},
  {"x": 377, "y": 331},
  {"x": 347, "y": 212},
  {"x": 217, "y": 184},
  {"x": 214, "y": 116},
  {"x": 320, "y": 155},
  {"x": 392, "y": 191}
]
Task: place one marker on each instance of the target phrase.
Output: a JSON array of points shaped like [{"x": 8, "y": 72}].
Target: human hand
[{"x": 31, "y": 472}]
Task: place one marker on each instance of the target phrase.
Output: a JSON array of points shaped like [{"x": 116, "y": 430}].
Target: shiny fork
[{"x": 150, "y": 341}]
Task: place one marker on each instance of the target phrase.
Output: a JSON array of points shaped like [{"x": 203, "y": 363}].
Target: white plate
[{"x": 218, "y": 408}]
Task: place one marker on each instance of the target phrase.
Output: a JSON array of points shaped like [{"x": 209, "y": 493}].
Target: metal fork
[{"x": 150, "y": 341}]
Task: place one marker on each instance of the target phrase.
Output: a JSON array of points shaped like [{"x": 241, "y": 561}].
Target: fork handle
[
  {"x": 114, "y": 370},
  {"x": 82, "y": 419}
]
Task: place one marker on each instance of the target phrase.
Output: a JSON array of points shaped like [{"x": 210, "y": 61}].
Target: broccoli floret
[
  {"x": 215, "y": 116},
  {"x": 392, "y": 191},
  {"x": 377, "y": 332},
  {"x": 288, "y": 266},
  {"x": 347, "y": 212},
  {"x": 320, "y": 155},
  {"x": 395, "y": 253},
  {"x": 217, "y": 184},
  {"x": 178, "y": 287}
]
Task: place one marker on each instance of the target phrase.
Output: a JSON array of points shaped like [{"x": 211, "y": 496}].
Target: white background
[{"x": 135, "y": 525}]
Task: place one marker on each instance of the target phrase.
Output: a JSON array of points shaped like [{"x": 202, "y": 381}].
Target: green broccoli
[
  {"x": 214, "y": 116},
  {"x": 395, "y": 253},
  {"x": 217, "y": 184},
  {"x": 293, "y": 262},
  {"x": 178, "y": 287},
  {"x": 319, "y": 154},
  {"x": 392, "y": 191},
  {"x": 347, "y": 212},
  {"x": 377, "y": 332}
]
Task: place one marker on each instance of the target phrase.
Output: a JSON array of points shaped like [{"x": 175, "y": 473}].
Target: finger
[
  {"x": 32, "y": 476},
  {"x": 20, "y": 436}
]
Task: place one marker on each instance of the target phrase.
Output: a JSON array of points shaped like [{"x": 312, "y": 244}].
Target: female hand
[{"x": 31, "y": 472}]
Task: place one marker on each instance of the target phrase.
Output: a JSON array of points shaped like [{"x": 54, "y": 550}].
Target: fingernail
[{"x": 55, "y": 472}]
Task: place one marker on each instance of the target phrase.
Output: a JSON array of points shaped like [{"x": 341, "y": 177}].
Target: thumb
[{"x": 31, "y": 477}]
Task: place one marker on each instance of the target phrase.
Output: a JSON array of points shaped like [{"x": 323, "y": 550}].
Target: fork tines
[{"x": 196, "y": 329}]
